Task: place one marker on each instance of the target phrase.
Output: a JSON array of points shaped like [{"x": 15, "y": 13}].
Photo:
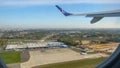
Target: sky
[{"x": 43, "y": 14}]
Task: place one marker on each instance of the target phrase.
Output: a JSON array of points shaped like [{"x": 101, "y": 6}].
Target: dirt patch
[{"x": 15, "y": 65}]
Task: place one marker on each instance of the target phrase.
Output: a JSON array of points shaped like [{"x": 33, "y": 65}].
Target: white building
[
  {"x": 25, "y": 46},
  {"x": 35, "y": 45}
]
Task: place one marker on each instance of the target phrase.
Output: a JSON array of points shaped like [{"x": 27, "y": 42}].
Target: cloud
[{"x": 50, "y": 2}]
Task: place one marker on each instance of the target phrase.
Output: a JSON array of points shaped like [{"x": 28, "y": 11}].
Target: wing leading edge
[{"x": 96, "y": 16}]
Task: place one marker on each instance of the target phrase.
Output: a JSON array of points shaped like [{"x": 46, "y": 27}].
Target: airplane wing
[{"x": 96, "y": 16}]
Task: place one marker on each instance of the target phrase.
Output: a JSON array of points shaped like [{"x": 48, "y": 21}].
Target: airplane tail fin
[{"x": 63, "y": 12}]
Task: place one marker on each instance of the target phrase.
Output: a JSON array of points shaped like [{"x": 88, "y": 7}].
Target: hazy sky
[{"x": 43, "y": 13}]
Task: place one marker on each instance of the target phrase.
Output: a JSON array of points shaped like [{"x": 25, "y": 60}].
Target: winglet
[{"x": 63, "y": 12}]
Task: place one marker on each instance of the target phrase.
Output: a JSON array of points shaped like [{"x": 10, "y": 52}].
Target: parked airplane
[{"x": 97, "y": 16}]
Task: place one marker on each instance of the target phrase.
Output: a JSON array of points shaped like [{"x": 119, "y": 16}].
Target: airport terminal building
[{"x": 35, "y": 46}]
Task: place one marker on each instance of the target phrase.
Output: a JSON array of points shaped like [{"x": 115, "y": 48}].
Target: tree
[{"x": 3, "y": 42}]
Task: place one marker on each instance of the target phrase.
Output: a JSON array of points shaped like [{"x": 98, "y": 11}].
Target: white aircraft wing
[{"x": 96, "y": 16}]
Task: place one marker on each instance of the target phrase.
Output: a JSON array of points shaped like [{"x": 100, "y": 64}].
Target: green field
[
  {"x": 10, "y": 57},
  {"x": 87, "y": 63}
]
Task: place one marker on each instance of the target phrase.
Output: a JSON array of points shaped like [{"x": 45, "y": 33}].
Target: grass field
[
  {"x": 10, "y": 57},
  {"x": 87, "y": 63}
]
